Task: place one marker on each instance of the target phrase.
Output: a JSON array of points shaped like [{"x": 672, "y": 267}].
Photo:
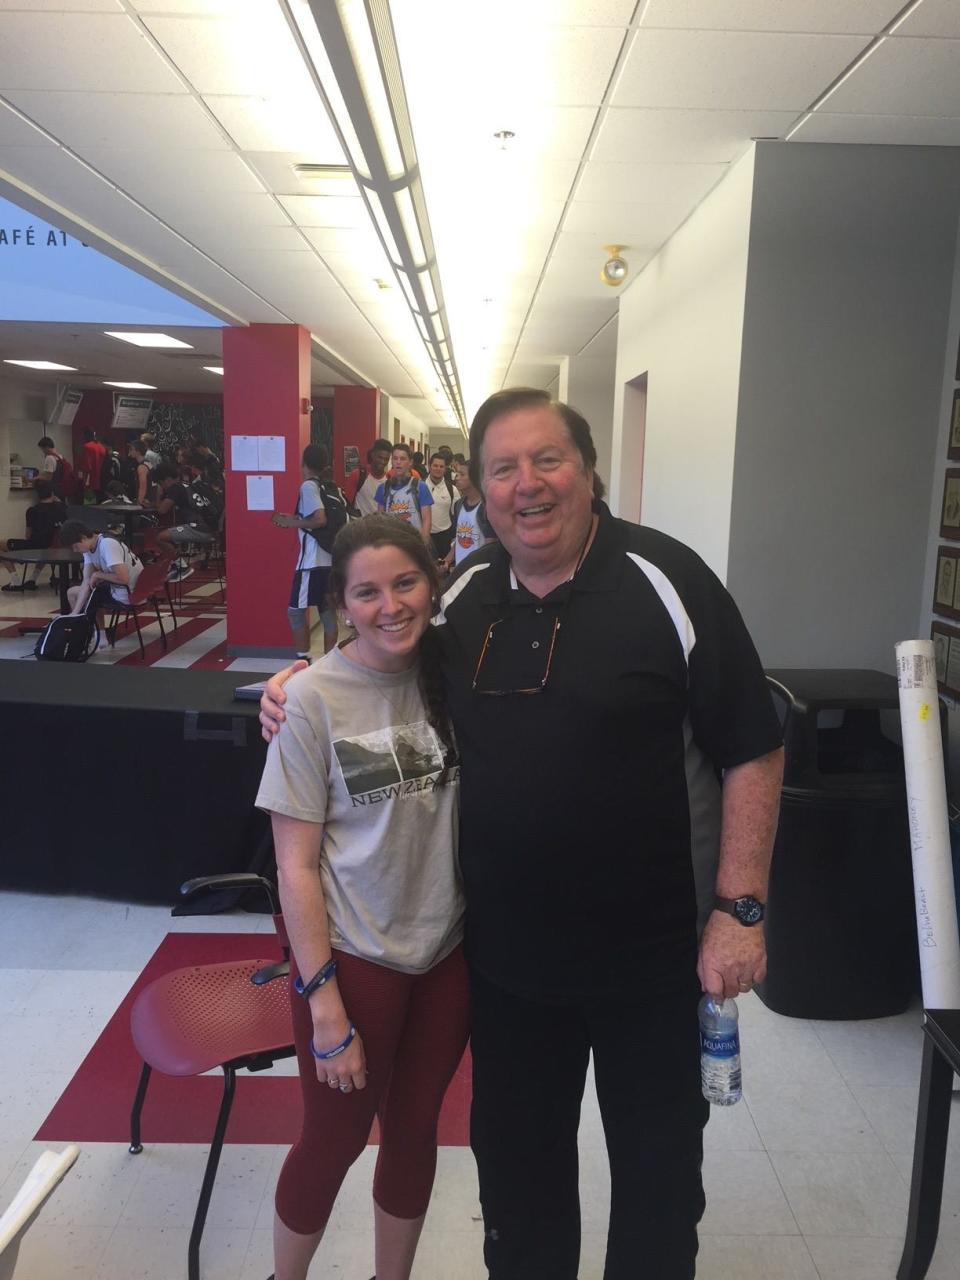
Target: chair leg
[
  {"x": 112, "y": 629},
  {"x": 210, "y": 1173},
  {"x": 173, "y": 615},
  {"x": 136, "y": 1146},
  {"x": 136, "y": 623},
  {"x": 163, "y": 634}
]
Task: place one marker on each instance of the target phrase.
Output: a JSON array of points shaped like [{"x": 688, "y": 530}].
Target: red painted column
[
  {"x": 266, "y": 391},
  {"x": 356, "y": 421}
]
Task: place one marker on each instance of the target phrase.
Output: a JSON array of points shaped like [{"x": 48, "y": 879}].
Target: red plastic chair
[
  {"x": 152, "y": 578},
  {"x": 233, "y": 1016}
]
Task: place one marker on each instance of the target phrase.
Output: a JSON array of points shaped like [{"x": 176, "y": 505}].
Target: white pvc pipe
[{"x": 937, "y": 931}]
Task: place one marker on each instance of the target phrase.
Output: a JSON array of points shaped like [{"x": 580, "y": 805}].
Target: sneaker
[
  {"x": 178, "y": 573},
  {"x": 12, "y": 586},
  {"x": 31, "y": 585}
]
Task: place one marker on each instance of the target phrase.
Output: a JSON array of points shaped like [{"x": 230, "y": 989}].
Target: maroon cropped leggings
[{"x": 414, "y": 1030}]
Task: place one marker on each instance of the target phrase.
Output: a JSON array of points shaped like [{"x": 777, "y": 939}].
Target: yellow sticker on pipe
[{"x": 925, "y": 711}]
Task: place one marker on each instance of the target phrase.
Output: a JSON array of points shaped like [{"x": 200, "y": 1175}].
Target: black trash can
[{"x": 841, "y": 928}]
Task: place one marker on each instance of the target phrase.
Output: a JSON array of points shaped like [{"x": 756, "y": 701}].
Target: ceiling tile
[
  {"x": 251, "y": 54},
  {"x": 732, "y": 70},
  {"x": 76, "y": 51},
  {"x": 706, "y": 137},
  {"x": 149, "y": 121},
  {"x": 636, "y": 183},
  {"x": 912, "y": 131},
  {"x": 326, "y": 211},
  {"x": 246, "y": 212},
  {"x": 283, "y": 122},
  {"x": 150, "y": 175},
  {"x": 904, "y": 77},
  {"x": 636, "y": 224},
  {"x": 15, "y": 132},
  {"x": 933, "y": 18},
  {"x": 535, "y": 13},
  {"x": 62, "y": 6},
  {"x": 855, "y": 16}
]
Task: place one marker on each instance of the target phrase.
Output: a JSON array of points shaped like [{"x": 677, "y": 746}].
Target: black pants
[
  {"x": 441, "y": 542},
  {"x": 529, "y": 1069}
]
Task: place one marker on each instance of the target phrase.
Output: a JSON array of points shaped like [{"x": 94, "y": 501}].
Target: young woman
[{"x": 362, "y": 791}]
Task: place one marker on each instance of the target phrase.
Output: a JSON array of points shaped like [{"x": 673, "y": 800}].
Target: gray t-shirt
[{"x": 357, "y": 754}]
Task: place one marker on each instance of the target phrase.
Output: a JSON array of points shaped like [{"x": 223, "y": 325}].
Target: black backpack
[
  {"x": 335, "y": 505},
  {"x": 69, "y": 637}
]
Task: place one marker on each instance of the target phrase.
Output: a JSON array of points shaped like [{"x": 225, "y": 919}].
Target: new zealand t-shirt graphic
[{"x": 388, "y": 759}]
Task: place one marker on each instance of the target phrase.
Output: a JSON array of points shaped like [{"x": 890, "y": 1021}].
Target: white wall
[
  {"x": 20, "y": 429},
  {"x": 588, "y": 383},
  {"x": 410, "y": 424},
  {"x": 848, "y": 290},
  {"x": 681, "y": 324}
]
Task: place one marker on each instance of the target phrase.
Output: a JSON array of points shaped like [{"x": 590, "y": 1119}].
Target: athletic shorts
[{"x": 309, "y": 588}]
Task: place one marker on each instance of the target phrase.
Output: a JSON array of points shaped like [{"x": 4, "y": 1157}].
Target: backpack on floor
[{"x": 69, "y": 637}]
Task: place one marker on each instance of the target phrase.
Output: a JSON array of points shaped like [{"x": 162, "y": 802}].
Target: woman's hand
[
  {"x": 273, "y": 698},
  {"x": 348, "y": 1070}
]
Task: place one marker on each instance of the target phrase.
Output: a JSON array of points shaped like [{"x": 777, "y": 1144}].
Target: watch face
[{"x": 749, "y": 910}]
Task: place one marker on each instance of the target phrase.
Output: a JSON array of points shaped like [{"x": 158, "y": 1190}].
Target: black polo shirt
[{"x": 587, "y": 807}]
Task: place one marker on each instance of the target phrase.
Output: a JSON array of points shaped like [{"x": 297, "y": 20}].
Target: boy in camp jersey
[{"x": 404, "y": 495}]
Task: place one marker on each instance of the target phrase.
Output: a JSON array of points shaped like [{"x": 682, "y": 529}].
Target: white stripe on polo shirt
[
  {"x": 670, "y": 600},
  {"x": 448, "y": 597}
]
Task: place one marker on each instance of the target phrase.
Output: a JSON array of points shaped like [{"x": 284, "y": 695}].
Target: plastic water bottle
[{"x": 719, "y": 1051}]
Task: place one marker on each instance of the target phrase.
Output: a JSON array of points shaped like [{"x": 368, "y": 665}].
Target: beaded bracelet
[
  {"x": 319, "y": 979},
  {"x": 334, "y": 1053}
]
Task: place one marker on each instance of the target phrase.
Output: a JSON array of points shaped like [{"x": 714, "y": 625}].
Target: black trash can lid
[{"x": 849, "y": 688}]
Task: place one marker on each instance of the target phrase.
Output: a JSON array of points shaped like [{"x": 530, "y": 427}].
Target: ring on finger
[
  {"x": 345, "y": 1088},
  {"x": 333, "y": 1082}
]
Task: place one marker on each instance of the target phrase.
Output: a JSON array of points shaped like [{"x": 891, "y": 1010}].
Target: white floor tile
[
  {"x": 96, "y": 1189},
  {"x": 876, "y": 1051},
  {"x": 169, "y": 1184},
  {"x": 744, "y": 1197},
  {"x": 754, "y": 1258},
  {"x": 855, "y": 1195},
  {"x": 732, "y": 1129},
  {"x": 855, "y": 1257},
  {"x": 160, "y": 1253},
  {"x": 797, "y": 1115},
  {"x": 62, "y": 1253}
]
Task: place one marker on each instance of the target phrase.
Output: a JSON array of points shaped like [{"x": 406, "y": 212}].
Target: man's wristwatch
[{"x": 747, "y": 910}]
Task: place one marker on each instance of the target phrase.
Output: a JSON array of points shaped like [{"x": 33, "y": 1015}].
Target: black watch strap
[{"x": 747, "y": 910}]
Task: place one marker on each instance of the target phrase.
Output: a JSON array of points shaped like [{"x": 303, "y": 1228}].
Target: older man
[{"x": 600, "y": 681}]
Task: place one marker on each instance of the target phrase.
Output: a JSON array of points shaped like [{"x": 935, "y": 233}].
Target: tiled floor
[
  {"x": 201, "y": 643},
  {"x": 806, "y": 1178}
]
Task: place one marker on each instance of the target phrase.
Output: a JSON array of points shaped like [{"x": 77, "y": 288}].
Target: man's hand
[
  {"x": 732, "y": 956},
  {"x": 283, "y": 521},
  {"x": 273, "y": 698}
]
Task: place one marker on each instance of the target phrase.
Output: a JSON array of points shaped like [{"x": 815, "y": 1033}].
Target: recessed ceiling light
[
  {"x": 214, "y": 368},
  {"x": 148, "y": 339},
  {"x": 42, "y": 364},
  {"x": 131, "y": 386}
]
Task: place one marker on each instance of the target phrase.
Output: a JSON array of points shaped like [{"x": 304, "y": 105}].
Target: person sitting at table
[
  {"x": 110, "y": 569},
  {"x": 173, "y": 497},
  {"x": 44, "y": 518}
]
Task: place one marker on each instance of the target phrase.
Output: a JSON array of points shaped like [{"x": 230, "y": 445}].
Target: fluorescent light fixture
[
  {"x": 131, "y": 386},
  {"x": 43, "y": 364},
  {"x": 214, "y": 368},
  {"x": 148, "y": 339}
]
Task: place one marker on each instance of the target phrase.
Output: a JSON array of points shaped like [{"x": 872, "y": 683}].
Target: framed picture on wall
[
  {"x": 946, "y": 652},
  {"x": 946, "y": 588},
  {"x": 950, "y": 507},
  {"x": 954, "y": 450}
]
